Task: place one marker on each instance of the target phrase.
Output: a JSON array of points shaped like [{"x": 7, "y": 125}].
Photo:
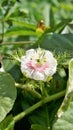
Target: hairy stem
[{"x": 38, "y": 104}]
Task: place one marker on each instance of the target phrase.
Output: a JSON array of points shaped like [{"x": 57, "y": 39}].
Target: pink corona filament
[{"x": 37, "y": 66}]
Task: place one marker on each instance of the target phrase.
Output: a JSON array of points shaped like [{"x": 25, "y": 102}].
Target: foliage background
[{"x": 21, "y": 17}]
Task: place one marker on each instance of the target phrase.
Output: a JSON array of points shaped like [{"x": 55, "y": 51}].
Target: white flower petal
[
  {"x": 30, "y": 52},
  {"x": 38, "y": 76},
  {"x": 48, "y": 54},
  {"x": 28, "y": 73}
]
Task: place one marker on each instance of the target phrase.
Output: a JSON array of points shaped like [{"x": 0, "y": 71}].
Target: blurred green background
[{"x": 19, "y": 18}]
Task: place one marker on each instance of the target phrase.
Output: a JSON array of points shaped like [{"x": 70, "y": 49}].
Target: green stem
[
  {"x": 32, "y": 91},
  {"x": 37, "y": 105},
  {"x": 10, "y": 126},
  {"x": 17, "y": 43}
]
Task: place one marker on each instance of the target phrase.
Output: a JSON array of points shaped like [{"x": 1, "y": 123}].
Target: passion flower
[{"x": 38, "y": 64}]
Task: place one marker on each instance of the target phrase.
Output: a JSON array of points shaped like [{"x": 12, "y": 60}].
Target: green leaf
[
  {"x": 65, "y": 122},
  {"x": 7, "y": 123},
  {"x": 23, "y": 24},
  {"x": 70, "y": 28},
  {"x": 51, "y": 17},
  {"x": 40, "y": 118},
  {"x": 13, "y": 68},
  {"x": 19, "y": 32},
  {"x": 65, "y": 112},
  {"x": 7, "y": 94},
  {"x": 57, "y": 42},
  {"x": 69, "y": 91}
]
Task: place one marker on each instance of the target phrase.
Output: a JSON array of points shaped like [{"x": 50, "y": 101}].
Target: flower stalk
[{"x": 29, "y": 89}]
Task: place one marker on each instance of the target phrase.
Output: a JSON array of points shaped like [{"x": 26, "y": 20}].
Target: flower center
[{"x": 37, "y": 65}]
